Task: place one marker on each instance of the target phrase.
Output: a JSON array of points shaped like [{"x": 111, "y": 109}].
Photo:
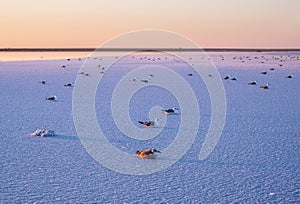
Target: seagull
[
  {"x": 147, "y": 154},
  {"x": 234, "y": 78},
  {"x": 171, "y": 111},
  {"x": 265, "y": 86},
  {"x": 69, "y": 85},
  {"x": 145, "y": 81},
  {"x": 133, "y": 80},
  {"x": 289, "y": 76},
  {"x": 102, "y": 69},
  {"x": 149, "y": 124},
  {"x": 83, "y": 73},
  {"x": 264, "y": 72},
  {"x": 190, "y": 74},
  {"x": 52, "y": 98},
  {"x": 226, "y": 77},
  {"x": 42, "y": 82},
  {"x": 253, "y": 83}
]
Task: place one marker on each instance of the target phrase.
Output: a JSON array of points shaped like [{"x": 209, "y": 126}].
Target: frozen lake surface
[{"x": 256, "y": 159}]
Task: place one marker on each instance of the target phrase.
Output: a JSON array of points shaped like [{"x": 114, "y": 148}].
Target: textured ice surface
[{"x": 256, "y": 160}]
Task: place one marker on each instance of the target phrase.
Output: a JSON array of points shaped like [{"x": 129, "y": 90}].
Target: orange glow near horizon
[{"x": 214, "y": 23}]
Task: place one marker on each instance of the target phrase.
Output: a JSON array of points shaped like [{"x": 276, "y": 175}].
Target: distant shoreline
[{"x": 147, "y": 50}]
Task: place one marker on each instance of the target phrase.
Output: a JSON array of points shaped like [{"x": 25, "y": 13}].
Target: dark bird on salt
[
  {"x": 145, "y": 81},
  {"x": 171, "y": 111},
  {"x": 264, "y": 72},
  {"x": 69, "y": 85},
  {"x": 147, "y": 154},
  {"x": 83, "y": 73},
  {"x": 226, "y": 77},
  {"x": 265, "y": 86},
  {"x": 148, "y": 124},
  {"x": 253, "y": 83},
  {"x": 51, "y": 98}
]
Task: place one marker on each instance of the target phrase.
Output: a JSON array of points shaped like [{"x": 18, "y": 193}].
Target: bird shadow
[
  {"x": 65, "y": 137},
  {"x": 75, "y": 138}
]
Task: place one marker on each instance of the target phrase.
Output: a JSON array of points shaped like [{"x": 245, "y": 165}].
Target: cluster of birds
[
  {"x": 155, "y": 123},
  {"x": 144, "y": 154},
  {"x": 43, "y": 133},
  {"x": 266, "y": 86},
  {"x": 145, "y": 80},
  {"x": 84, "y": 74},
  {"x": 148, "y": 58},
  {"x": 261, "y": 59},
  {"x": 150, "y": 153},
  {"x": 228, "y": 77},
  {"x": 54, "y": 98}
]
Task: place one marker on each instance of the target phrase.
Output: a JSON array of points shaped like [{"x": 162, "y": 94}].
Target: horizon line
[{"x": 147, "y": 49}]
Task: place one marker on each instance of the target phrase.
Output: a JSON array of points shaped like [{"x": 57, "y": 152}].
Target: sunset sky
[{"x": 210, "y": 23}]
